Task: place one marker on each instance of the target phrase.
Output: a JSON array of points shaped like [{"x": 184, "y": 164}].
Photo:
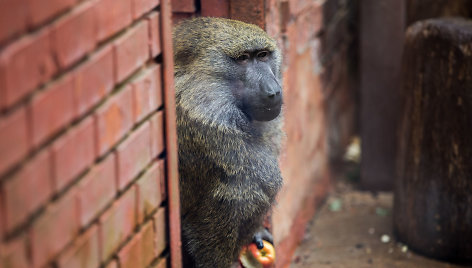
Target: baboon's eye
[
  {"x": 262, "y": 55},
  {"x": 243, "y": 58}
]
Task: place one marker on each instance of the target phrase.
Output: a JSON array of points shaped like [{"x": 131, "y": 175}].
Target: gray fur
[{"x": 229, "y": 172}]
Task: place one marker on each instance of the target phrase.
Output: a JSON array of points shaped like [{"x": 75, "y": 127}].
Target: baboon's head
[{"x": 228, "y": 62}]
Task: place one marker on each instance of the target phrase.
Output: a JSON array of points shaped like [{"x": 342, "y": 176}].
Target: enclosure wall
[{"x": 83, "y": 151}]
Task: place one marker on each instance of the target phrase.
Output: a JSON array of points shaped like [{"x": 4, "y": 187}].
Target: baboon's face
[{"x": 255, "y": 86}]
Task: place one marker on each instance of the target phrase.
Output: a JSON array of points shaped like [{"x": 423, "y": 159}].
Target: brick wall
[
  {"x": 82, "y": 148},
  {"x": 318, "y": 39}
]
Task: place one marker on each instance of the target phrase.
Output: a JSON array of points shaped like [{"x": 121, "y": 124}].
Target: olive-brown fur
[{"x": 228, "y": 164}]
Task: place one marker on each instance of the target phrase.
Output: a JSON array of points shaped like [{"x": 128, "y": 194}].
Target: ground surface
[{"x": 348, "y": 232}]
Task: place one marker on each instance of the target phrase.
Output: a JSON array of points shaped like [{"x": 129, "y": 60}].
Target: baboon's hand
[{"x": 262, "y": 234}]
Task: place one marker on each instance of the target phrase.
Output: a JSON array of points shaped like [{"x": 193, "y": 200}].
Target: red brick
[
  {"x": 162, "y": 263},
  {"x": 149, "y": 191},
  {"x": 73, "y": 153},
  {"x": 157, "y": 134},
  {"x": 133, "y": 155},
  {"x": 27, "y": 190},
  {"x": 130, "y": 254},
  {"x": 187, "y": 6},
  {"x": 311, "y": 20},
  {"x": 94, "y": 80},
  {"x": 117, "y": 223},
  {"x": 142, "y": 6},
  {"x": 51, "y": 110},
  {"x": 215, "y": 8},
  {"x": 15, "y": 254},
  {"x": 83, "y": 253},
  {"x": 112, "y": 264},
  {"x": 178, "y": 17},
  {"x": 41, "y": 11},
  {"x": 113, "y": 16},
  {"x": 154, "y": 20},
  {"x": 148, "y": 251},
  {"x": 97, "y": 189},
  {"x": 249, "y": 11},
  {"x": 162, "y": 179},
  {"x": 139, "y": 251},
  {"x": 299, "y": 6},
  {"x": 29, "y": 57},
  {"x": 147, "y": 93},
  {"x": 114, "y": 119},
  {"x": 12, "y": 18},
  {"x": 14, "y": 143},
  {"x": 160, "y": 228},
  {"x": 273, "y": 19},
  {"x": 54, "y": 229},
  {"x": 74, "y": 35},
  {"x": 131, "y": 51}
]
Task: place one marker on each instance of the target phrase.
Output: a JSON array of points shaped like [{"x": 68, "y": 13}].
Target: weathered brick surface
[
  {"x": 51, "y": 110},
  {"x": 147, "y": 95},
  {"x": 31, "y": 57},
  {"x": 97, "y": 189},
  {"x": 162, "y": 167},
  {"x": 130, "y": 255},
  {"x": 160, "y": 229},
  {"x": 117, "y": 223},
  {"x": 142, "y": 6},
  {"x": 54, "y": 229},
  {"x": 112, "y": 17},
  {"x": 112, "y": 264},
  {"x": 40, "y": 11},
  {"x": 14, "y": 142},
  {"x": 177, "y": 17},
  {"x": 75, "y": 34},
  {"x": 160, "y": 264},
  {"x": 154, "y": 33},
  {"x": 215, "y": 8},
  {"x": 14, "y": 254},
  {"x": 114, "y": 119},
  {"x": 83, "y": 253},
  {"x": 187, "y": 6},
  {"x": 131, "y": 51},
  {"x": 133, "y": 155},
  {"x": 73, "y": 153},
  {"x": 157, "y": 134},
  {"x": 12, "y": 18},
  {"x": 81, "y": 122},
  {"x": 27, "y": 190},
  {"x": 148, "y": 250},
  {"x": 94, "y": 80},
  {"x": 149, "y": 191},
  {"x": 139, "y": 251},
  {"x": 248, "y": 11}
]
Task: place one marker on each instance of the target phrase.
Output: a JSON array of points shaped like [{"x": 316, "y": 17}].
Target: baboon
[{"x": 229, "y": 99}]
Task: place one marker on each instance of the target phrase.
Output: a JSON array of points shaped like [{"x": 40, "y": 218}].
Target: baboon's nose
[{"x": 271, "y": 90}]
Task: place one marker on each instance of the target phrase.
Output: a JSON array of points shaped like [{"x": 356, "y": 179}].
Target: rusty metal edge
[{"x": 171, "y": 137}]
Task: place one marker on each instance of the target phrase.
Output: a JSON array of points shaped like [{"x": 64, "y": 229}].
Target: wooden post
[
  {"x": 433, "y": 191},
  {"x": 171, "y": 137},
  {"x": 417, "y": 10}
]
